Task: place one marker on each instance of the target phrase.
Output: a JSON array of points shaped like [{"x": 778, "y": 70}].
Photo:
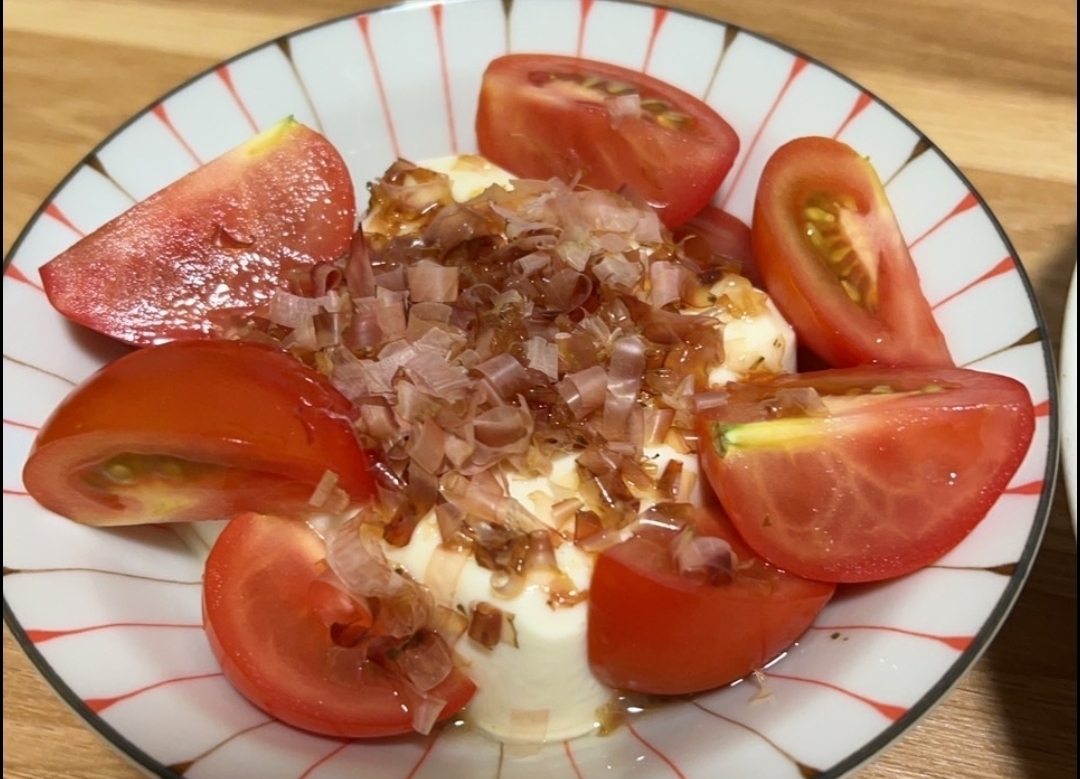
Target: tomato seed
[
  {"x": 660, "y": 110},
  {"x": 673, "y": 120},
  {"x": 119, "y": 472},
  {"x": 168, "y": 468},
  {"x": 815, "y": 214},
  {"x": 837, "y": 257},
  {"x": 618, "y": 88},
  {"x": 851, "y": 291},
  {"x": 826, "y": 235},
  {"x": 817, "y": 239}
]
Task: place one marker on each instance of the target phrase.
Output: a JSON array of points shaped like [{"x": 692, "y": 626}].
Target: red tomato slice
[
  {"x": 656, "y": 630},
  {"x": 195, "y": 430},
  {"x": 868, "y": 473},
  {"x": 832, "y": 257},
  {"x": 276, "y": 650},
  {"x": 217, "y": 241},
  {"x": 543, "y": 116},
  {"x": 716, "y": 233}
]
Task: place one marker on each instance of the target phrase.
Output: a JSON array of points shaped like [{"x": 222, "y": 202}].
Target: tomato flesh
[
  {"x": 833, "y": 259},
  {"x": 279, "y": 653},
  {"x": 653, "y": 629},
  {"x": 195, "y": 430},
  {"x": 862, "y": 474},
  {"x": 543, "y": 116},
  {"x": 213, "y": 244}
]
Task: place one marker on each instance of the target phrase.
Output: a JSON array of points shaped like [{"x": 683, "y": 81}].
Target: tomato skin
[
  {"x": 275, "y": 649},
  {"x": 215, "y": 242},
  {"x": 655, "y": 631},
  {"x": 884, "y": 484},
  {"x": 902, "y": 330},
  {"x": 248, "y": 427},
  {"x": 542, "y": 127},
  {"x": 721, "y": 234}
]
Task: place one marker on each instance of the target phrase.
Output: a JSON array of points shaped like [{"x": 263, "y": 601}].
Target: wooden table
[{"x": 993, "y": 82}]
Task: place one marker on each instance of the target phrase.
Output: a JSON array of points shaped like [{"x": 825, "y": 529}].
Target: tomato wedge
[
  {"x": 861, "y": 474},
  {"x": 264, "y": 629},
  {"x": 658, "y": 630},
  {"x": 213, "y": 243},
  {"x": 833, "y": 259},
  {"x": 714, "y": 232},
  {"x": 195, "y": 430},
  {"x": 543, "y": 116}
]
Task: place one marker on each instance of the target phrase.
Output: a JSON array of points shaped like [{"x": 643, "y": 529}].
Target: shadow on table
[{"x": 1032, "y": 662}]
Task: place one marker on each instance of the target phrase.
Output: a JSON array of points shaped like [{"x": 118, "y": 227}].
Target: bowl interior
[{"x": 112, "y": 617}]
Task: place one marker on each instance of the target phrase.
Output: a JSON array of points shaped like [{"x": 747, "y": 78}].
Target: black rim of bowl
[{"x": 930, "y": 699}]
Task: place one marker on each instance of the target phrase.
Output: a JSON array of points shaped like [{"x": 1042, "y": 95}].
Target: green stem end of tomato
[
  {"x": 269, "y": 137},
  {"x": 773, "y": 433}
]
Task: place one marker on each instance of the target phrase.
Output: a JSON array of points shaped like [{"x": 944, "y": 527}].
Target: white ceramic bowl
[{"x": 112, "y": 617}]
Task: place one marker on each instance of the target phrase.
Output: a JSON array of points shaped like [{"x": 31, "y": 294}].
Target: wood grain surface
[{"x": 992, "y": 82}]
